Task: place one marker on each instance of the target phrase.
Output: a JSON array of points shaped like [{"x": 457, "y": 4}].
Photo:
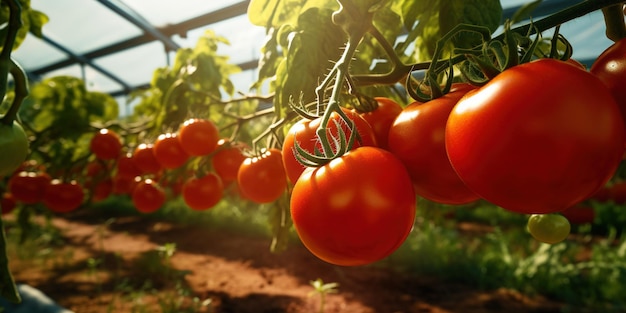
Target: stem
[
  {"x": 614, "y": 21},
  {"x": 21, "y": 92},
  {"x": 15, "y": 23},
  {"x": 563, "y": 16}
]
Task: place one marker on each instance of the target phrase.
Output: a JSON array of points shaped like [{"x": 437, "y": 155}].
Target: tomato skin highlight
[
  {"x": 532, "y": 142},
  {"x": 262, "y": 179},
  {"x": 198, "y": 137},
  {"x": 417, "y": 138},
  {"x": 304, "y": 133},
  {"x": 349, "y": 216}
]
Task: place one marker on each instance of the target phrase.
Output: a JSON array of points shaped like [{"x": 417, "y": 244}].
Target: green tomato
[
  {"x": 13, "y": 147},
  {"x": 549, "y": 228}
]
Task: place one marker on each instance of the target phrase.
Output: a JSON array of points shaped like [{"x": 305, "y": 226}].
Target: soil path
[{"x": 99, "y": 266}]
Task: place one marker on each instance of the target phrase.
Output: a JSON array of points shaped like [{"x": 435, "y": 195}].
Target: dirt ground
[{"x": 100, "y": 268}]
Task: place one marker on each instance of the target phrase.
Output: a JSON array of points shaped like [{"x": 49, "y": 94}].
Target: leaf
[
  {"x": 486, "y": 13},
  {"x": 524, "y": 11},
  {"x": 37, "y": 21}
]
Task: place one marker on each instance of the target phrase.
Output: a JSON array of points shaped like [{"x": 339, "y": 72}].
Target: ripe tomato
[
  {"x": 8, "y": 203},
  {"x": 201, "y": 193},
  {"x": 14, "y": 147},
  {"x": 148, "y": 196},
  {"x": 102, "y": 190},
  {"x": 144, "y": 159},
  {"x": 63, "y": 197},
  {"x": 417, "y": 138},
  {"x": 548, "y": 228},
  {"x": 198, "y": 136},
  {"x": 532, "y": 141},
  {"x": 126, "y": 166},
  {"x": 227, "y": 160},
  {"x": 169, "y": 152},
  {"x": 304, "y": 133},
  {"x": 580, "y": 215},
  {"x": 617, "y": 193},
  {"x": 95, "y": 168},
  {"x": 262, "y": 178},
  {"x": 29, "y": 187},
  {"x": 382, "y": 118},
  {"x": 610, "y": 68},
  {"x": 106, "y": 144},
  {"x": 124, "y": 185},
  {"x": 349, "y": 216}
]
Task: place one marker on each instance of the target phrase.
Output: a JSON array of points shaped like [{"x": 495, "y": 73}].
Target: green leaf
[
  {"x": 486, "y": 13},
  {"x": 37, "y": 21}
]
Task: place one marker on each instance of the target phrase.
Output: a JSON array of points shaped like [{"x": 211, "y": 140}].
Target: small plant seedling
[{"x": 322, "y": 289}]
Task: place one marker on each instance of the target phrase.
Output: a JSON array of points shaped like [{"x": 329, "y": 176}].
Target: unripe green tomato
[
  {"x": 549, "y": 228},
  {"x": 13, "y": 147}
]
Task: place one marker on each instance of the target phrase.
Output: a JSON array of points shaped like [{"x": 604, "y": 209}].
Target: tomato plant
[
  {"x": 417, "y": 138},
  {"x": 548, "y": 228},
  {"x": 106, "y": 144},
  {"x": 262, "y": 178},
  {"x": 63, "y": 197},
  {"x": 304, "y": 134},
  {"x": 201, "y": 193},
  {"x": 531, "y": 141},
  {"x": 148, "y": 196},
  {"x": 198, "y": 136},
  {"x": 14, "y": 147},
  {"x": 349, "y": 216},
  {"x": 169, "y": 151}
]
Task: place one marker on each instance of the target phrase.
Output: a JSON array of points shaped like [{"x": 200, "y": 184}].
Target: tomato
[
  {"x": 29, "y": 187},
  {"x": 145, "y": 160},
  {"x": 169, "y": 152},
  {"x": 227, "y": 160},
  {"x": 8, "y": 203},
  {"x": 14, "y": 147},
  {"x": 63, "y": 197},
  {"x": 198, "y": 136},
  {"x": 548, "y": 228},
  {"x": 262, "y": 178},
  {"x": 106, "y": 144},
  {"x": 580, "y": 215},
  {"x": 382, "y": 118},
  {"x": 304, "y": 133},
  {"x": 95, "y": 168},
  {"x": 610, "y": 68},
  {"x": 349, "y": 216},
  {"x": 201, "y": 193},
  {"x": 538, "y": 138},
  {"x": 102, "y": 190},
  {"x": 617, "y": 192},
  {"x": 124, "y": 185},
  {"x": 126, "y": 166},
  {"x": 148, "y": 196},
  {"x": 417, "y": 138}
]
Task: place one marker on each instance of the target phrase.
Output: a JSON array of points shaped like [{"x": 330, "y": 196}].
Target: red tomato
[
  {"x": 262, "y": 178},
  {"x": 102, "y": 190},
  {"x": 63, "y": 197},
  {"x": 610, "y": 68},
  {"x": 227, "y": 160},
  {"x": 198, "y": 136},
  {"x": 538, "y": 138},
  {"x": 8, "y": 203},
  {"x": 169, "y": 152},
  {"x": 617, "y": 193},
  {"x": 382, "y": 118},
  {"x": 124, "y": 185},
  {"x": 304, "y": 132},
  {"x": 355, "y": 210},
  {"x": 106, "y": 144},
  {"x": 578, "y": 215},
  {"x": 126, "y": 166},
  {"x": 417, "y": 138},
  {"x": 95, "y": 168},
  {"x": 145, "y": 160},
  {"x": 29, "y": 187},
  {"x": 148, "y": 196},
  {"x": 201, "y": 193}
]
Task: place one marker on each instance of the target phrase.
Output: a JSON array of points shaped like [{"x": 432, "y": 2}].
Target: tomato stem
[{"x": 6, "y": 64}]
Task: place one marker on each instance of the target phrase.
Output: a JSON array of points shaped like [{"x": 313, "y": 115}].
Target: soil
[{"x": 106, "y": 268}]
